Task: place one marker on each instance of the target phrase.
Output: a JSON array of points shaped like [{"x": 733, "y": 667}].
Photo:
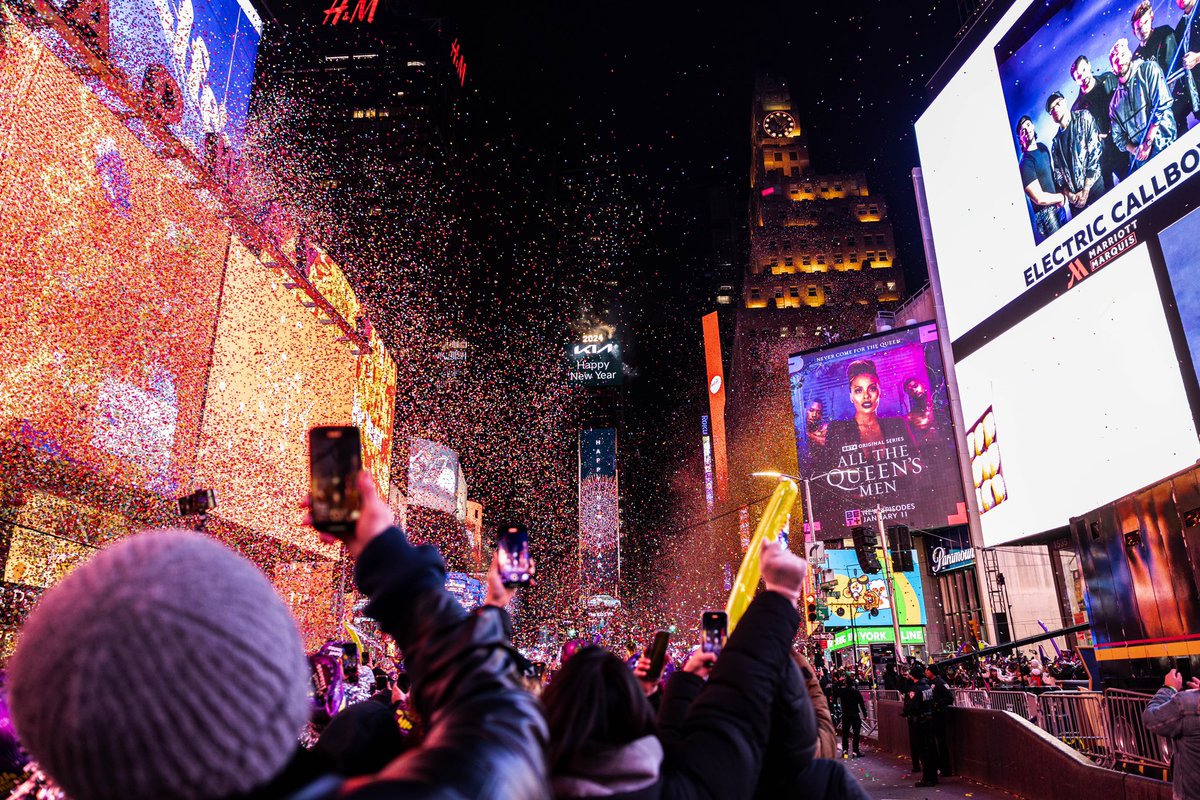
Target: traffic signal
[
  {"x": 811, "y": 607},
  {"x": 900, "y": 546},
  {"x": 865, "y": 541}
]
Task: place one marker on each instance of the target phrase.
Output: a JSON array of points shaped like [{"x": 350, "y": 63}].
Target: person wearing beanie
[{"x": 185, "y": 677}]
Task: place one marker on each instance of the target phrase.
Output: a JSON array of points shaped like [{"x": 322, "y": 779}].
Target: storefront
[{"x": 952, "y": 566}]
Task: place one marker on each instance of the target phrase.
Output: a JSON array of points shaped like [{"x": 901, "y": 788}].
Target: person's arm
[
  {"x": 1156, "y": 85},
  {"x": 463, "y": 672},
  {"x": 678, "y": 695},
  {"x": 826, "y": 732},
  {"x": 1117, "y": 128},
  {"x": 1092, "y": 150},
  {"x": 726, "y": 728},
  {"x": 1040, "y": 197}
]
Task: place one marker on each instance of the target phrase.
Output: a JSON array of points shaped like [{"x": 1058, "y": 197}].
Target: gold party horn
[{"x": 772, "y": 522}]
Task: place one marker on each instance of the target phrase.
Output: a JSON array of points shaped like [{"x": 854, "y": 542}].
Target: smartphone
[
  {"x": 715, "y": 625},
  {"x": 335, "y": 457},
  {"x": 350, "y": 661},
  {"x": 658, "y": 655},
  {"x": 512, "y": 548}
]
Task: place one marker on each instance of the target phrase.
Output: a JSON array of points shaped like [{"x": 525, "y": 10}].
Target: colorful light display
[
  {"x": 109, "y": 275},
  {"x": 276, "y": 372},
  {"x": 599, "y": 514}
]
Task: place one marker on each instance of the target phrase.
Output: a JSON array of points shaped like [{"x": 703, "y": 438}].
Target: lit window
[
  {"x": 874, "y": 210},
  {"x": 883, "y": 256},
  {"x": 357, "y": 113},
  {"x": 821, "y": 259},
  {"x": 789, "y": 262},
  {"x": 838, "y": 259},
  {"x": 891, "y": 286},
  {"x": 416, "y": 63},
  {"x": 870, "y": 255},
  {"x": 807, "y": 260},
  {"x": 779, "y": 294},
  {"x": 812, "y": 291},
  {"x": 795, "y": 291}
]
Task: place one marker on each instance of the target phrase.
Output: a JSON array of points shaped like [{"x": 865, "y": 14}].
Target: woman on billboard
[{"x": 867, "y": 437}]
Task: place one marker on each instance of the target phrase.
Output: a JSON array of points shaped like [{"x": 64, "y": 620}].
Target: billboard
[
  {"x": 195, "y": 56},
  {"x": 595, "y": 361},
  {"x": 862, "y": 600},
  {"x": 276, "y": 372},
  {"x": 432, "y": 476},
  {"x": 599, "y": 513},
  {"x": 706, "y": 446},
  {"x": 374, "y": 409},
  {"x": 716, "y": 400},
  {"x": 109, "y": 278},
  {"x": 872, "y": 425},
  {"x": 1057, "y": 277}
]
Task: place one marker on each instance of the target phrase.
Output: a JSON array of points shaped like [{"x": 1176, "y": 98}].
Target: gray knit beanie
[{"x": 165, "y": 667}]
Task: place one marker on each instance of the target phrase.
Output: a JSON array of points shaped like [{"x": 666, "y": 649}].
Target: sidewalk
[{"x": 886, "y": 776}]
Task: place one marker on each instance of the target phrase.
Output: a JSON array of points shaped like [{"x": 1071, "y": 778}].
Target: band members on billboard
[
  {"x": 1187, "y": 88},
  {"x": 1095, "y": 96},
  {"x": 1075, "y": 154},
  {"x": 1159, "y": 45},
  {"x": 816, "y": 425},
  {"x": 1038, "y": 179},
  {"x": 1143, "y": 123}
]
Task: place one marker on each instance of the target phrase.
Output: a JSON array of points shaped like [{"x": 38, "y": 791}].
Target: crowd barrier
[{"x": 1106, "y": 727}]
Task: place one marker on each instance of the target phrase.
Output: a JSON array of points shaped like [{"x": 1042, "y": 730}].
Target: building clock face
[{"x": 778, "y": 124}]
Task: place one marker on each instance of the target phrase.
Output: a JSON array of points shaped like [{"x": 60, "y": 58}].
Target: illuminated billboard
[
  {"x": 599, "y": 513},
  {"x": 872, "y": 423},
  {"x": 716, "y": 401},
  {"x": 706, "y": 446},
  {"x": 276, "y": 372},
  {"x": 432, "y": 476},
  {"x": 862, "y": 600},
  {"x": 595, "y": 360},
  {"x": 375, "y": 408},
  {"x": 1053, "y": 251},
  {"x": 195, "y": 56},
  {"x": 109, "y": 278}
]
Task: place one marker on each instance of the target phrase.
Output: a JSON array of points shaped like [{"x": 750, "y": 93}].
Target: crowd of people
[{"x": 168, "y": 667}]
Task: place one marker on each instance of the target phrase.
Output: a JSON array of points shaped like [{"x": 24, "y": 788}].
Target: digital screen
[
  {"x": 861, "y": 600},
  {"x": 873, "y": 429},
  {"x": 432, "y": 476},
  {"x": 276, "y": 373},
  {"x": 109, "y": 278},
  {"x": 203, "y": 49},
  {"x": 1051, "y": 277},
  {"x": 309, "y": 590},
  {"x": 594, "y": 364},
  {"x": 599, "y": 512},
  {"x": 467, "y": 590},
  {"x": 375, "y": 409}
]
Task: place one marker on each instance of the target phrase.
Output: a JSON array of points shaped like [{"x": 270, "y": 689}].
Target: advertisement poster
[
  {"x": 432, "y": 476},
  {"x": 599, "y": 512},
  {"x": 862, "y": 600},
  {"x": 375, "y": 408},
  {"x": 110, "y": 271},
  {"x": 873, "y": 428},
  {"x": 202, "y": 51},
  {"x": 1085, "y": 81},
  {"x": 594, "y": 364}
]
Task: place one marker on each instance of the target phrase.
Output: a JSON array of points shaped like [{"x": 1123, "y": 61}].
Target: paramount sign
[{"x": 942, "y": 559}]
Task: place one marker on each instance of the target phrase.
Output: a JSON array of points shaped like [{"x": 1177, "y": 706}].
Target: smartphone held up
[
  {"x": 658, "y": 655},
  {"x": 512, "y": 551},
  {"x": 715, "y": 628},
  {"x": 335, "y": 458}
]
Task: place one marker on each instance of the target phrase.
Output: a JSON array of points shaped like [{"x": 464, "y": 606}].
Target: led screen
[
  {"x": 276, "y": 372},
  {"x": 432, "y": 476},
  {"x": 599, "y": 512},
  {"x": 375, "y": 409},
  {"x": 1041, "y": 305},
  {"x": 861, "y": 600},
  {"x": 873, "y": 429},
  {"x": 202, "y": 49},
  {"x": 593, "y": 364},
  {"x": 109, "y": 277}
]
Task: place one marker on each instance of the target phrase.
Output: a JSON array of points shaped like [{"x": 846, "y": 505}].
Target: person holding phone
[{"x": 1174, "y": 713}]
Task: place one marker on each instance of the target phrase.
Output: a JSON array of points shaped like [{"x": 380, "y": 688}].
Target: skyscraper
[{"x": 821, "y": 263}]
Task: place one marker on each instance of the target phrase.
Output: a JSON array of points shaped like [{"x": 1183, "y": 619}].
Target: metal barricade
[
  {"x": 971, "y": 698},
  {"x": 1023, "y": 704},
  {"x": 870, "y": 723},
  {"x": 1128, "y": 738},
  {"x": 1077, "y": 719}
]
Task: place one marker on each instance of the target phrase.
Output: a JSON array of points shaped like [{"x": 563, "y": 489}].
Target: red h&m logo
[
  {"x": 460, "y": 63},
  {"x": 339, "y": 11}
]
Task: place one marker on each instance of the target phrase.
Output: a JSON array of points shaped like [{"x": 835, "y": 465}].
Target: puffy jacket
[
  {"x": 484, "y": 734},
  {"x": 826, "y": 732},
  {"x": 1176, "y": 715}
]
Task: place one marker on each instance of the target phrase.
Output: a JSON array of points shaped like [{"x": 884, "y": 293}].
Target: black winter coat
[{"x": 485, "y": 735}]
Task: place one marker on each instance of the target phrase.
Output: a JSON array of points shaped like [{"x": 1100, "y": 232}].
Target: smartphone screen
[
  {"x": 335, "y": 457},
  {"x": 658, "y": 655},
  {"x": 512, "y": 549},
  {"x": 715, "y": 627}
]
